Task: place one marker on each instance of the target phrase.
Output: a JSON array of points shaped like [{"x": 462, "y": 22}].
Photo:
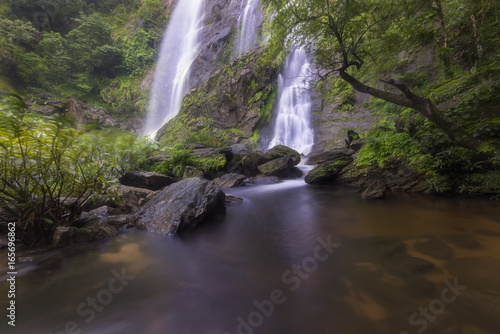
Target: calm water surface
[{"x": 393, "y": 258}]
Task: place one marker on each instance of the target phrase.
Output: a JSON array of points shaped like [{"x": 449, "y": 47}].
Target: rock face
[
  {"x": 230, "y": 106},
  {"x": 85, "y": 114},
  {"x": 230, "y": 180},
  {"x": 185, "y": 203},
  {"x": 147, "y": 180},
  {"x": 327, "y": 171},
  {"x": 332, "y": 117}
]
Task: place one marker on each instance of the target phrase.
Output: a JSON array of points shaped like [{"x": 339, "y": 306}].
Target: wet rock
[
  {"x": 329, "y": 155},
  {"x": 251, "y": 162},
  {"x": 230, "y": 180},
  {"x": 435, "y": 248},
  {"x": 233, "y": 200},
  {"x": 375, "y": 189},
  {"x": 327, "y": 172},
  {"x": 281, "y": 151},
  {"x": 185, "y": 203},
  {"x": 147, "y": 180},
  {"x": 131, "y": 199},
  {"x": 93, "y": 231},
  {"x": 263, "y": 180},
  {"x": 281, "y": 167},
  {"x": 190, "y": 172}
]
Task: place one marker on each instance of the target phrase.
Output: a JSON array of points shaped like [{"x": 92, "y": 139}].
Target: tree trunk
[{"x": 423, "y": 105}]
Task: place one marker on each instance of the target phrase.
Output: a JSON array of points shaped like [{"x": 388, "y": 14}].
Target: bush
[{"x": 50, "y": 170}]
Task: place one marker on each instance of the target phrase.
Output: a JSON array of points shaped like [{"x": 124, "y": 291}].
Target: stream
[{"x": 291, "y": 258}]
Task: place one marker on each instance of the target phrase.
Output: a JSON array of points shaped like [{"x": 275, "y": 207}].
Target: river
[{"x": 291, "y": 259}]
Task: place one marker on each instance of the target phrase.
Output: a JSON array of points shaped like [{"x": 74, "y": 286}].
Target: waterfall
[
  {"x": 292, "y": 127},
  {"x": 178, "y": 51},
  {"x": 248, "y": 25}
]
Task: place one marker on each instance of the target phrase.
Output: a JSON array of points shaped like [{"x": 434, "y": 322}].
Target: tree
[{"x": 347, "y": 36}]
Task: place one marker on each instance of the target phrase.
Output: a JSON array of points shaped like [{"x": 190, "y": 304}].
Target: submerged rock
[
  {"x": 327, "y": 172},
  {"x": 185, "y": 203},
  {"x": 376, "y": 189},
  {"x": 146, "y": 180},
  {"x": 230, "y": 180}
]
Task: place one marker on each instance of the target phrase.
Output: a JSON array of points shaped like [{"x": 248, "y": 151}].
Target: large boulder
[
  {"x": 185, "y": 203},
  {"x": 281, "y": 151},
  {"x": 147, "y": 180},
  {"x": 230, "y": 180},
  {"x": 327, "y": 172},
  {"x": 281, "y": 167},
  {"x": 329, "y": 155}
]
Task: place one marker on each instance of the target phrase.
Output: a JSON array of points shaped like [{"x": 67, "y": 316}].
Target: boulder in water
[
  {"x": 263, "y": 180},
  {"x": 185, "y": 203},
  {"x": 131, "y": 198},
  {"x": 327, "y": 171},
  {"x": 281, "y": 151},
  {"x": 329, "y": 155},
  {"x": 281, "y": 167}
]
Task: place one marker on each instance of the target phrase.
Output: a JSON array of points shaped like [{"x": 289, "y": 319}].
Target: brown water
[{"x": 392, "y": 257}]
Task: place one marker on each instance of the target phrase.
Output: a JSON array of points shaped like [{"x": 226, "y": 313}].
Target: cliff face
[
  {"x": 234, "y": 99},
  {"x": 230, "y": 107}
]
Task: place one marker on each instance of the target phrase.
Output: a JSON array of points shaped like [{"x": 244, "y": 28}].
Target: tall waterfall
[
  {"x": 248, "y": 25},
  {"x": 178, "y": 52},
  {"x": 292, "y": 127}
]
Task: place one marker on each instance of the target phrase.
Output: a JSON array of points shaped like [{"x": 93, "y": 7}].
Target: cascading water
[
  {"x": 292, "y": 126},
  {"x": 248, "y": 25},
  {"x": 178, "y": 52}
]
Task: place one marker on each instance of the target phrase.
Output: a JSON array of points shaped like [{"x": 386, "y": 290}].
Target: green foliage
[
  {"x": 50, "y": 170},
  {"x": 180, "y": 157},
  {"x": 384, "y": 143}
]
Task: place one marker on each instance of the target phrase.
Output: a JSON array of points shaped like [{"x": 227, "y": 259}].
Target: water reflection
[{"x": 394, "y": 256}]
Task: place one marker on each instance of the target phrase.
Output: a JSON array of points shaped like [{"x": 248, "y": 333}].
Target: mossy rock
[
  {"x": 281, "y": 151},
  {"x": 327, "y": 172}
]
